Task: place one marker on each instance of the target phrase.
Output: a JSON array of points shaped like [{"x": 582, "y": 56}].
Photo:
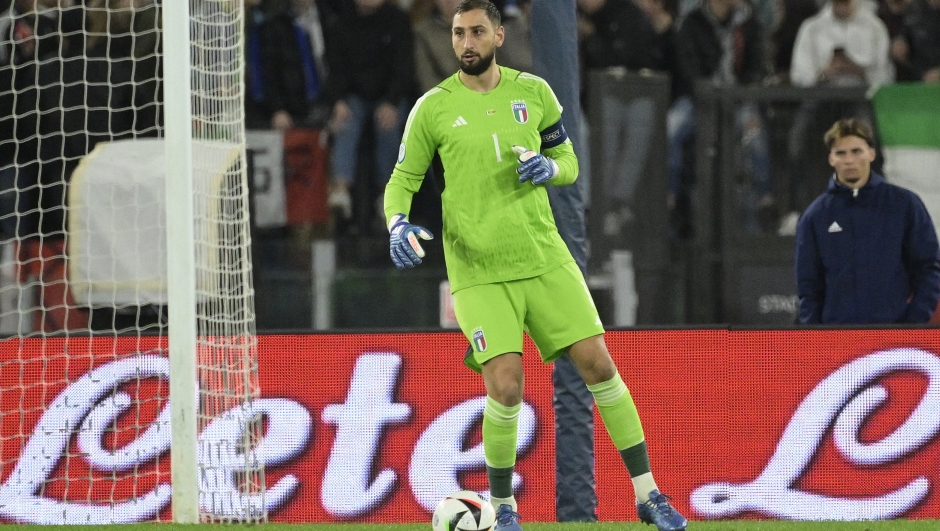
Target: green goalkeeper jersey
[{"x": 496, "y": 229}]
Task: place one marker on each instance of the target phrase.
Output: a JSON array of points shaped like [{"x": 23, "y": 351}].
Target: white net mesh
[
  {"x": 85, "y": 432},
  {"x": 227, "y": 354}
]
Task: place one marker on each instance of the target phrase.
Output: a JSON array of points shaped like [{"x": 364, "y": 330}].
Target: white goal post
[{"x": 128, "y": 357}]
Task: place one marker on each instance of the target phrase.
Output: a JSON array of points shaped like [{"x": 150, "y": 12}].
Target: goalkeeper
[{"x": 500, "y": 138}]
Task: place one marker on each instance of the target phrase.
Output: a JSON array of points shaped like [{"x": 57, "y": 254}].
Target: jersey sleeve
[
  {"x": 562, "y": 153},
  {"x": 417, "y": 148}
]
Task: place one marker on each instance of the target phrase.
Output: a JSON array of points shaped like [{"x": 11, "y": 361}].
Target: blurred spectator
[
  {"x": 370, "y": 53},
  {"x": 622, "y": 34},
  {"x": 434, "y": 56},
  {"x": 923, "y": 26},
  {"x": 722, "y": 42},
  {"x": 790, "y": 14},
  {"x": 286, "y": 61},
  {"x": 866, "y": 250},
  {"x": 894, "y": 13}
]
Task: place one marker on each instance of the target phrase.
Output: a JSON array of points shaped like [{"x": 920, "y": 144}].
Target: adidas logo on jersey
[
  {"x": 835, "y": 227},
  {"x": 460, "y": 121}
]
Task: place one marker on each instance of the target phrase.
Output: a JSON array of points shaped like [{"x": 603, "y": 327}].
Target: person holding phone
[{"x": 842, "y": 44}]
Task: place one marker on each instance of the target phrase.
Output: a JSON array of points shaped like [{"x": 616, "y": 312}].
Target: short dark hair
[
  {"x": 849, "y": 127},
  {"x": 492, "y": 12}
]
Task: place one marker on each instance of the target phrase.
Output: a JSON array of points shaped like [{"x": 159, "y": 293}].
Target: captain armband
[{"x": 553, "y": 136}]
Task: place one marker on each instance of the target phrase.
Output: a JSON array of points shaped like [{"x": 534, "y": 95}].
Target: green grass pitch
[{"x": 728, "y": 525}]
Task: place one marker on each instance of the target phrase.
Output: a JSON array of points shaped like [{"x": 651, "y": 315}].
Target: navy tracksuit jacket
[{"x": 867, "y": 257}]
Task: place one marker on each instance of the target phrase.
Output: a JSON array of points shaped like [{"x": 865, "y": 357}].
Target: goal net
[{"x": 125, "y": 270}]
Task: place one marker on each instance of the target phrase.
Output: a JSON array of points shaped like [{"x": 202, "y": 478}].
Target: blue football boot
[
  {"x": 658, "y": 511},
  {"x": 507, "y": 519}
]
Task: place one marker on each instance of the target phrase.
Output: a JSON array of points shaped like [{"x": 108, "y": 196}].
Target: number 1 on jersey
[{"x": 499, "y": 157}]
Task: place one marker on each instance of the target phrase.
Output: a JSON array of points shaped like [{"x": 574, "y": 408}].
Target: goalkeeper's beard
[{"x": 479, "y": 67}]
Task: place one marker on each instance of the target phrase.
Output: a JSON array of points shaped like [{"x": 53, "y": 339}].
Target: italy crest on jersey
[{"x": 519, "y": 112}]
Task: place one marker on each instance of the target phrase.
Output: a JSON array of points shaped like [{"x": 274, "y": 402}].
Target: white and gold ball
[{"x": 463, "y": 511}]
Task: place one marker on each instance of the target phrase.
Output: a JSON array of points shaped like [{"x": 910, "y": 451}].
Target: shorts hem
[
  {"x": 577, "y": 337},
  {"x": 471, "y": 361}
]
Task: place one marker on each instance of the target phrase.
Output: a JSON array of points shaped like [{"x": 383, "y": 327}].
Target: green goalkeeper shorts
[{"x": 555, "y": 309}]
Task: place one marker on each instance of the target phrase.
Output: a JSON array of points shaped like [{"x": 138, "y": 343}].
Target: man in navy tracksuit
[{"x": 866, "y": 250}]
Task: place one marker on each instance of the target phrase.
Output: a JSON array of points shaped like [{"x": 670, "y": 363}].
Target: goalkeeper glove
[
  {"x": 534, "y": 167},
  {"x": 405, "y": 249}
]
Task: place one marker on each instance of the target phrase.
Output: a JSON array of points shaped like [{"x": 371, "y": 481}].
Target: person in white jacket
[{"x": 844, "y": 44}]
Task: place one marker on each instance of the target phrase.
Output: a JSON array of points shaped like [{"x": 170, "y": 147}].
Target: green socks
[
  {"x": 500, "y": 430},
  {"x": 622, "y": 422},
  {"x": 616, "y": 407}
]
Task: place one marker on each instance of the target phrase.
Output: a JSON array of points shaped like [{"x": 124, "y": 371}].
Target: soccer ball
[{"x": 463, "y": 511}]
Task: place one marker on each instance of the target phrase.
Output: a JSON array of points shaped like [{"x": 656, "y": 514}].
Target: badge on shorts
[
  {"x": 520, "y": 112},
  {"x": 479, "y": 340}
]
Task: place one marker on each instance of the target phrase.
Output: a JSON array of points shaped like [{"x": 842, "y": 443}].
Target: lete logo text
[
  {"x": 841, "y": 402},
  {"x": 351, "y": 484}
]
